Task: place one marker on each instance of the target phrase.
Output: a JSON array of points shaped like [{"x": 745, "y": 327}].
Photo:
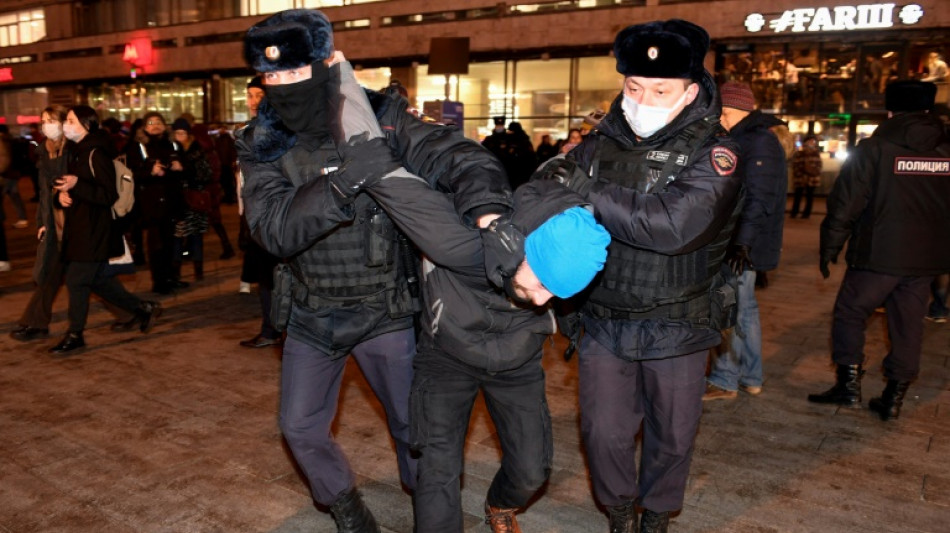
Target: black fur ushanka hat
[
  {"x": 289, "y": 39},
  {"x": 909, "y": 95},
  {"x": 662, "y": 49}
]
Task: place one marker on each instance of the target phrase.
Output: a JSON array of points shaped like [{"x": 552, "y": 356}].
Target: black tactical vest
[{"x": 641, "y": 284}]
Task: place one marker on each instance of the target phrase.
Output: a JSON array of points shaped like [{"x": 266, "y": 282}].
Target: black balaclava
[{"x": 302, "y": 106}]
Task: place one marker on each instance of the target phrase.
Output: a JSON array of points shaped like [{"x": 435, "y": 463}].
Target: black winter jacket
[
  {"x": 764, "y": 173},
  {"x": 891, "y": 201},
  {"x": 88, "y": 233}
]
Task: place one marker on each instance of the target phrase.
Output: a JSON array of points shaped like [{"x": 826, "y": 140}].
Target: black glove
[
  {"x": 569, "y": 324},
  {"x": 827, "y": 257},
  {"x": 365, "y": 162},
  {"x": 503, "y": 244},
  {"x": 564, "y": 170},
  {"x": 739, "y": 260}
]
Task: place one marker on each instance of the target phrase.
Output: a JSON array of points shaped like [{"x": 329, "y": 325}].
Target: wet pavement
[{"x": 176, "y": 431}]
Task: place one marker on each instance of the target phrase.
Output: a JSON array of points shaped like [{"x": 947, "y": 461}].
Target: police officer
[
  {"x": 660, "y": 173},
  {"x": 891, "y": 204},
  {"x": 349, "y": 292}
]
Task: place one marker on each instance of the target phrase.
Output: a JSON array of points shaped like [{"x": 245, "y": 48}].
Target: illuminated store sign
[{"x": 838, "y": 18}]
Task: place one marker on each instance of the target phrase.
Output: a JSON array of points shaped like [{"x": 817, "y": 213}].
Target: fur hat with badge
[
  {"x": 662, "y": 49},
  {"x": 907, "y": 96},
  {"x": 289, "y": 39}
]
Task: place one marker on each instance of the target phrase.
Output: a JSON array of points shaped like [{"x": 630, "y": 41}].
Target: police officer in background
[
  {"x": 349, "y": 292},
  {"x": 891, "y": 204},
  {"x": 660, "y": 173}
]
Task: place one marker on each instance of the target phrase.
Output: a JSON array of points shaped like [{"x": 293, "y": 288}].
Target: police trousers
[
  {"x": 905, "y": 300},
  {"x": 310, "y": 389},
  {"x": 616, "y": 396},
  {"x": 443, "y": 394}
]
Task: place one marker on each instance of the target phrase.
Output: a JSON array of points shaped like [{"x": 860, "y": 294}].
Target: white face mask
[
  {"x": 53, "y": 130},
  {"x": 645, "y": 120},
  {"x": 74, "y": 132}
]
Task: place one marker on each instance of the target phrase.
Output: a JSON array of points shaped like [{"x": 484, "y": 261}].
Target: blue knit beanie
[{"x": 567, "y": 251}]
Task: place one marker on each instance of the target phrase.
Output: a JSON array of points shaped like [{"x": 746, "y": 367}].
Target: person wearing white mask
[
  {"x": 86, "y": 192},
  {"x": 660, "y": 172}
]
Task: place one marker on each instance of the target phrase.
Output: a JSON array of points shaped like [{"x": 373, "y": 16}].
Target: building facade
[{"x": 819, "y": 64}]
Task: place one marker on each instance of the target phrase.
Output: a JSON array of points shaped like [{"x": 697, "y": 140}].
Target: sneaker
[
  {"x": 244, "y": 288},
  {"x": 937, "y": 319},
  {"x": 20, "y": 224},
  {"x": 5, "y": 266},
  {"x": 751, "y": 389},
  {"x": 714, "y": 392}
]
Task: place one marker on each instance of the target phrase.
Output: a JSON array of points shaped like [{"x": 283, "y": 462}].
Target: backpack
[{"x": 124, "y": 184}]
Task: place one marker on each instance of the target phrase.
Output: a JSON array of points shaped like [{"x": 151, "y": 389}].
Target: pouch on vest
[
  {"x": 379, "y": 237},
  {"x": 723, "y": 300},
  {"x": 281, "y": 297}
]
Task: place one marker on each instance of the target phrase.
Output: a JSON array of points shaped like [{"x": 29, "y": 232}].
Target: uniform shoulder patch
[{"x": 723, "y": 160}]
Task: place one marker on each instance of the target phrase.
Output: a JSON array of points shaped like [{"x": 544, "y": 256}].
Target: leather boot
[
  {"x": 71, "y": 342},
  {"x": 501, "y": 520},
  {"x": 623, "y": 518},
  {"x": 652, "y": 522},
  {"x": 352, "y": 515},
  {"x": 888, "y": 405},
  {"x": 846, "y": 390},
  {"x": 144, "y": 318}
]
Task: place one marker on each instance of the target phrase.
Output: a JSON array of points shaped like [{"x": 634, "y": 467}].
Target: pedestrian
[
  {"x": 10, "y": 174},
  {"x": 546, "y": 148},
  {"x": 349, "y": 289},
  {"x": 86, "y": 194},
  {"x": 757, "y": 244},
  {"x": 806, "y": 174},
  {"x": 196, "y": 177},
  {"x": 215, "y": 187},
  {"x": 667, "y": 190},
  {"x": 891, "y": 205}
]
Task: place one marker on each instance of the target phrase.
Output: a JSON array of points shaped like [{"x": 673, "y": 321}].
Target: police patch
[
  {"x": 723, "y": 160},
  {"x": 921, "y": 166}
]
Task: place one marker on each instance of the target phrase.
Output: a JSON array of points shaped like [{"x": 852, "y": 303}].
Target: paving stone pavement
[{"x": 176, "y": 431}]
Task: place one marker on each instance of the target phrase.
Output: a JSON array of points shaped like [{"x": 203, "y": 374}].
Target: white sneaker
[
  {"x": 245, "y": 288},
  {"x": 20, "y": 224},
  {"x": 5, "y": 266}
]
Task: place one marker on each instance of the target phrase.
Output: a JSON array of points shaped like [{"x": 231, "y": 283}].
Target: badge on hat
[
  {"x": 653, "y": 52},
  {"x": 272, "y": 53}
]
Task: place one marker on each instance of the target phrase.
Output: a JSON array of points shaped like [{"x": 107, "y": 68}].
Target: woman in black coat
[{"x": 86, "y": 193}]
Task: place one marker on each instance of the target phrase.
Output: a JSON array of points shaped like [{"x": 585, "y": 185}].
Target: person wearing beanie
[
  {"x": 891, "y": 205},
  {"x": 667, "y": 189},
  {"x": 757, "y": 243},
  {"x": 348, "y": 285},
  {"x": 195, "y": 178}
]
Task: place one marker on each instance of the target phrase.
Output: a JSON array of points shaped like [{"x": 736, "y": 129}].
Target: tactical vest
[
  {"x": 356, "y": 259},
  {"x": 641, "y": 284}
]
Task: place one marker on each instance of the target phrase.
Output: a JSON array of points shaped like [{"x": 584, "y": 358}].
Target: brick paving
[{"x": 176, "y": 431}]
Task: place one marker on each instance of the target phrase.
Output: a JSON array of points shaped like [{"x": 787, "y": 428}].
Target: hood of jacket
[
  {"x": 97, "y": 140},
  {"x": 919, "y": 131}
]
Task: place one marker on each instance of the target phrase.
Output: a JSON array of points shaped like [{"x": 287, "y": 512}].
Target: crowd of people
[{"x": 442, "y": 265}]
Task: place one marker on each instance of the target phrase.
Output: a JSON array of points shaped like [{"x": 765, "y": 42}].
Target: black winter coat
[
  {"x": 49, "y": 171},
  {"x": 764, "y": 173},
  {"x": 891, "y": 201},
  {"x": 88, "y": 232},
  {"x": 158, "y": 198}
]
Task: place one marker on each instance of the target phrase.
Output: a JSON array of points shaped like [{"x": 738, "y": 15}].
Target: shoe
[
  {"x": 888, "y": 404},
  {"x": 5, "y": 266},
  {"x": 352, "y": 515},
  {"x": 244, "y": 288},
  {"x": 20, "y": 224},
  {"x": 623, "y": 518},
  {"x": 260, "y": 341},
  {"x": 228, "y": 253},
  {"x": 847, "y": 388},
  {"x": 501, "y": 520},
  {"x": 27, "y": 334},
  {"x": 937, "y": 319},
  {"x": 71, "y": 342},
  {"x": 751, "y": 389},
  {"x": 715, "y": 392},
  {"x": 144, "y": 318},
  {"x": 652, "y": 522}
]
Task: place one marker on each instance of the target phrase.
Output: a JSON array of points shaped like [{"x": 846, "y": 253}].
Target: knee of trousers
[{"x": 299, "y": 433}]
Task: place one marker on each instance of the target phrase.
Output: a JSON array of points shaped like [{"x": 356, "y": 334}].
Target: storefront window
[
  {"x": 542, "y": 97},
  {"x": 128, "y": 102},
  {"x": 835, "y": 83},
  {"x": 21, "y": 108},
  {"x": 928, "y": 62},
  {"x": 878, "y": 66},
  {"x": 482, "y": 91},
  {"x": 768, "y": 77},
  {"x": 598, "y": 84}
]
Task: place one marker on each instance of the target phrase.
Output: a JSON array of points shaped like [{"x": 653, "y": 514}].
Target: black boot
[
  {"x": 623, "y": 518},
  {"x": 846, "y": 390},
  {"x": 71, "y": 342},
  {"x": 652, "y": 522},
  {"x": 176, "y": 282},
  {"x": 352, "y": 515},
  {"x": 199, "y": 270},
  {"x": 144, "y": 318},
  {"x": 888, "y": 405}
]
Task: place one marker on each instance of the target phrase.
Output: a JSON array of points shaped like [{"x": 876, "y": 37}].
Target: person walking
[
  {"x": 891, "y": 205},
  {"x": 661, "y": 175},
  {"x": 349, "y": 287},
  {"x": 86, "y": 193},
  {"x": 195, "y": 178},
  {"x": 757, "y": 244},
  {"x": 806, "y": 173}
]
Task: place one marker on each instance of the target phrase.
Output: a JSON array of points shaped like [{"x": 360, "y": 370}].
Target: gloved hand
[
  {"x": 564, "y": 170},
  {"x": 827, "y": 257},
  {"x": 738, "y": 258},
  {"x": 365, "y": 162},
  {"x": 503, "y": 245}
]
